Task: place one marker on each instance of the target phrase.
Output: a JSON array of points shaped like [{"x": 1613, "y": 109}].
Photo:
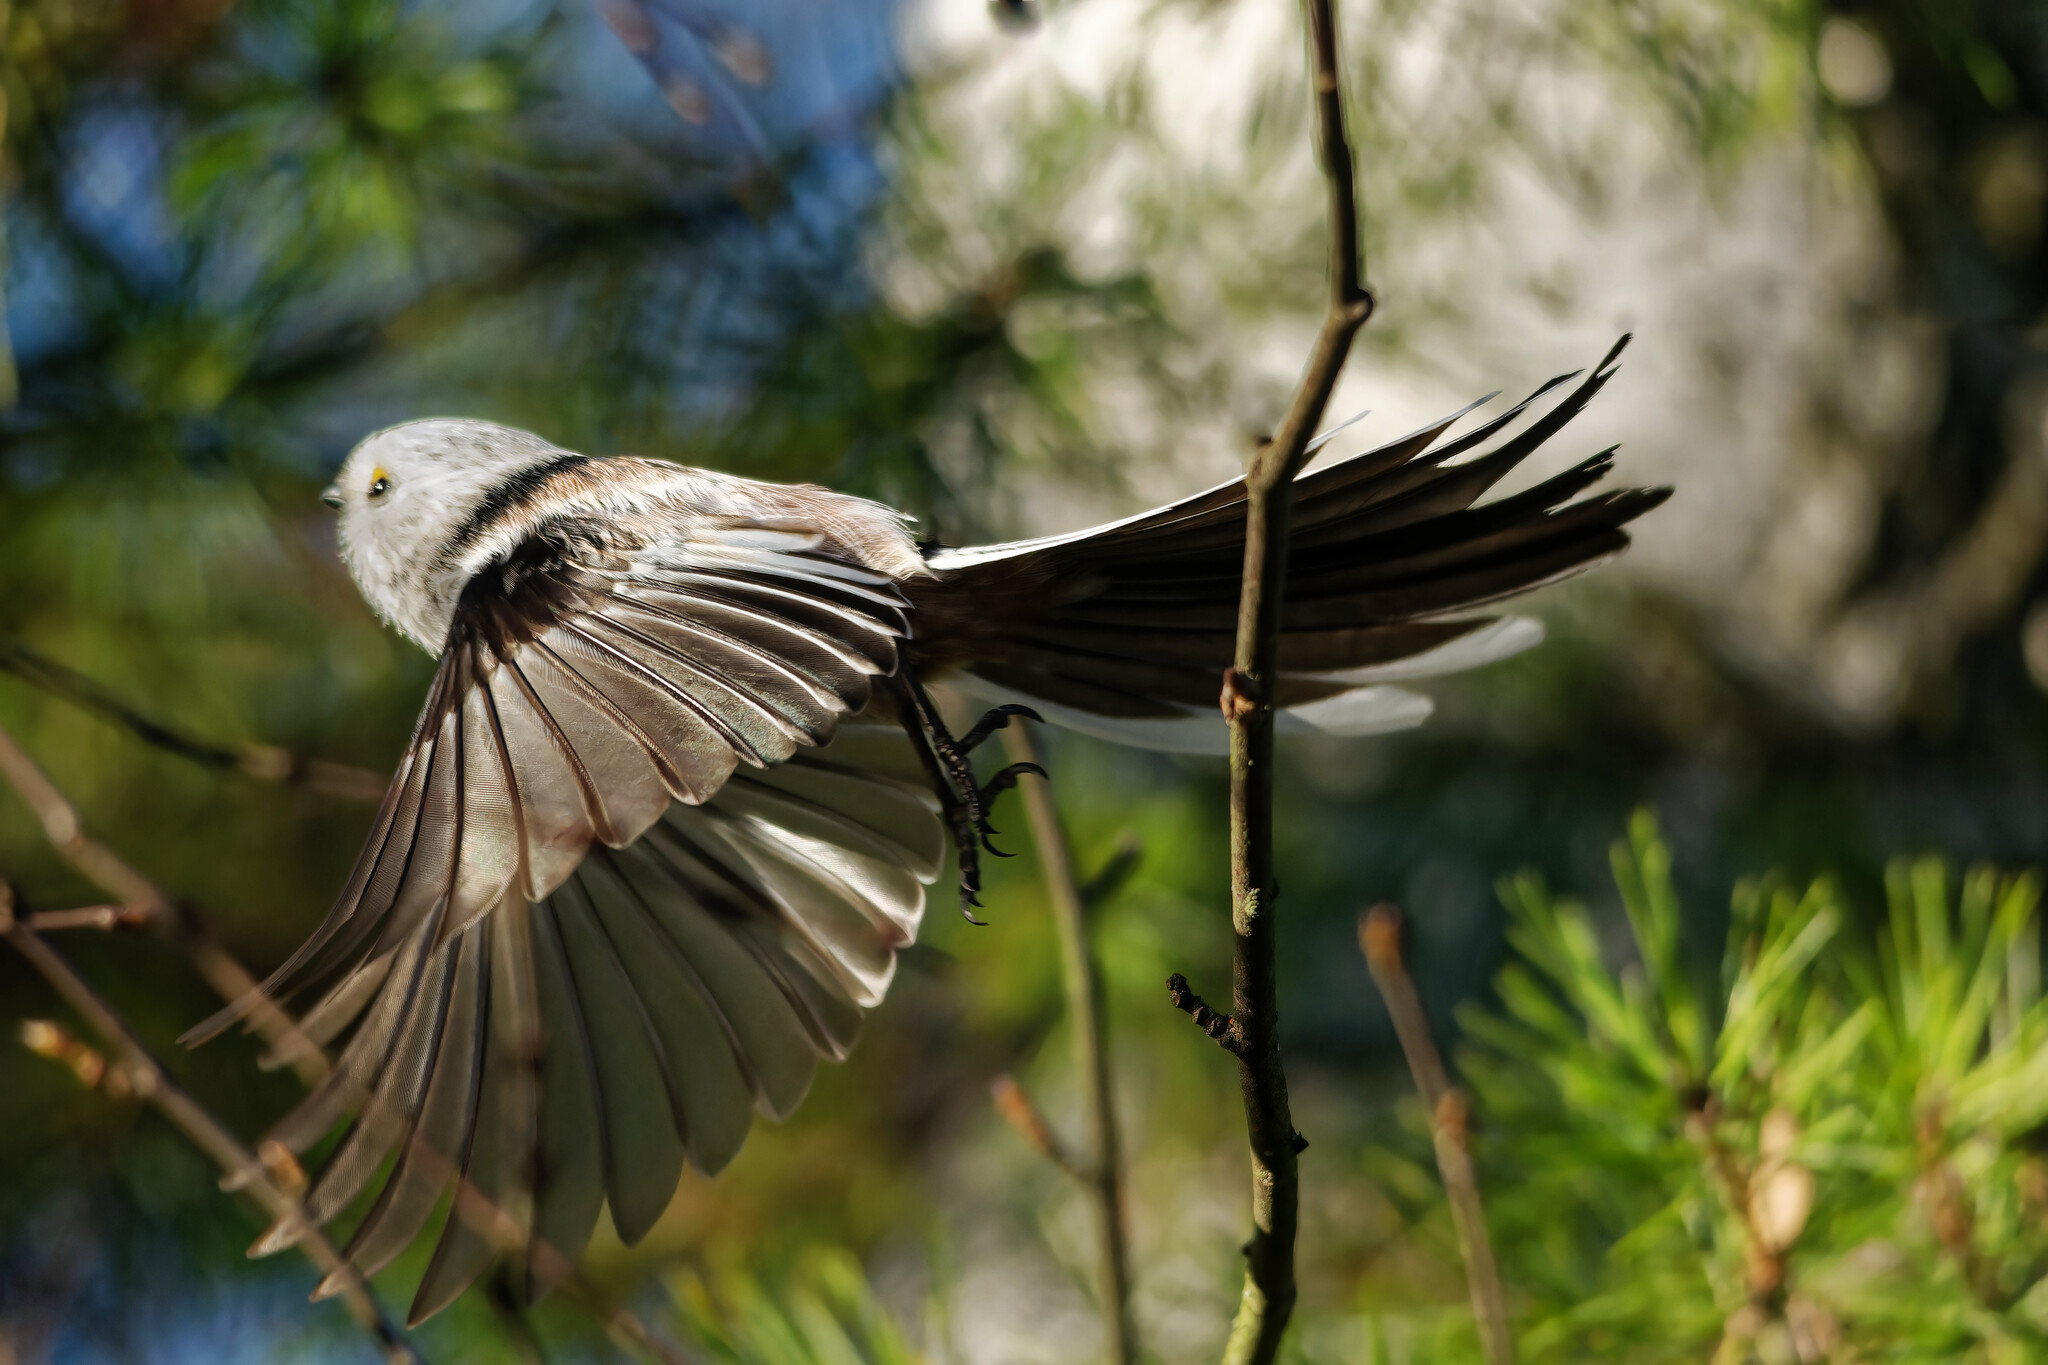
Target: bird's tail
[{"x": 1123, "y": 631}]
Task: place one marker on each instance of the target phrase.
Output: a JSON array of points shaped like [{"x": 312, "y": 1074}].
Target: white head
[{"x": 405, "y": 496}]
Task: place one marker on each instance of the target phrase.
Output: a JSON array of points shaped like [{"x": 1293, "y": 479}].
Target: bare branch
[
  {"x": 89, "y": 917},
  {"x": 66, "y": 833},
  {"x": 1379, "y": 937},
  {"x": 143, "y": 903},
  {"x": 1102, "y": 1169},
  {"x": 264, "y": 762},
  {"x": 1269, "y": 1289},
  {"x": 1017, "y": 1110},
  {"x": 149, "y": 1080}
]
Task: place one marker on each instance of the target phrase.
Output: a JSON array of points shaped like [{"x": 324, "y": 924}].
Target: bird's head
[{"x": 409, "y": 498}]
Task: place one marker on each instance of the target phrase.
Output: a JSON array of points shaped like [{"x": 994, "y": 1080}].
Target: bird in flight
[{"x": 679, "y": 786}]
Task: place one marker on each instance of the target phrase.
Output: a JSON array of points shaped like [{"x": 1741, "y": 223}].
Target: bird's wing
[
  {"x": 618, "y": 894},
  {"x": 588, "y": 681},
  {"x": 577, "y": 1051}
]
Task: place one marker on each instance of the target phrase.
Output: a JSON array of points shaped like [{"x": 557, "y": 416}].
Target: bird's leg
[{"x": 963, "y": 802}]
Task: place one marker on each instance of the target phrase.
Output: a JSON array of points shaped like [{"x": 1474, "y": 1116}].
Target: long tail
[{"x": 1123, "y": 630}]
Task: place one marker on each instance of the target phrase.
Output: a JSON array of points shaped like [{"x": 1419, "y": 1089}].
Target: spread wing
[
  {"x": 578, "y": 1051},
  {"x": 617, "y": 896},
  {"x": 586, "y": 685}
]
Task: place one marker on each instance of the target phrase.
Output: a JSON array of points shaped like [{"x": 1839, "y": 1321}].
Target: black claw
[
  {"x": 991, "y": 848},
  {"x": 992, "y": 721},
  {"x": 1007, "y": 779}
]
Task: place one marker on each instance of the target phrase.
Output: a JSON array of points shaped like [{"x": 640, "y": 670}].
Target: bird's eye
[{"x": 379, "y": 486}]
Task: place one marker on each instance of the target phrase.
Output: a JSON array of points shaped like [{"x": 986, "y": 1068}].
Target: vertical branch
[
  {"x": 238, "y": 1163},
  {"x": 1101, "y": 1166},
  {"x": 1379, "y": 936},
  {"x": 1269, "y": 1288}
]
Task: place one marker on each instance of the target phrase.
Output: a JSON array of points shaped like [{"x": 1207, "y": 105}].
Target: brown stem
[
  {"x": 149, "y": 1080},
  {"x": 1102, "y": 1166},
  {"x": 264, "y": 762},
  {"x": 89, "y": 917},
  {"x": 1018, "y": 1110},
  {"x": 143, "y": 903},
  {"x": 1379, "y": 936},
  {"x": 1269, "y": 1288}
]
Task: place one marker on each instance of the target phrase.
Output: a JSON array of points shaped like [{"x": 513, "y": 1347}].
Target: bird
[{"x": 670, "y": 812}]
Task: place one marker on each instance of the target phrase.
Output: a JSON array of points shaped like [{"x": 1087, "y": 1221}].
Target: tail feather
[{"x": 1135, "y": 621}]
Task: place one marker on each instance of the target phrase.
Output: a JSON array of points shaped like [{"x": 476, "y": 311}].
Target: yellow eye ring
[{"x": 380, "y": 482}]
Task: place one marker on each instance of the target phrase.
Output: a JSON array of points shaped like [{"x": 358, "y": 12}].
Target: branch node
[
  {"x": 1216, "y": 1024},
  {"x": 106, "y": 917},
  {"x": 1242, "y": 694}
]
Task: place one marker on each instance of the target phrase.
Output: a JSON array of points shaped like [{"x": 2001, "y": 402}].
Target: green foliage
[
  {"x": 1832, "y": 1157},
  {"x": 823, "y": 1313}
]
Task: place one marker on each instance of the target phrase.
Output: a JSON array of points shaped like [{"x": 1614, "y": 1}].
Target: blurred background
[{"x": 1016, "y": 268}]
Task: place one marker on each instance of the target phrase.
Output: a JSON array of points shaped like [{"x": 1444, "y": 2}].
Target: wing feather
[
  {"x": 427, "y": 1165},
  {"x": 569, "y": 1161},
  {"x": 644, "y": 1150},
  {"x": 714, "y": 1103},
  {"x": 490, "y": 1212},
  {"x": 674, "y": 986}
]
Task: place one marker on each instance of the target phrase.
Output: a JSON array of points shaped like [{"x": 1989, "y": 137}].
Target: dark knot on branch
[{"x": 1217, "y": 1025}]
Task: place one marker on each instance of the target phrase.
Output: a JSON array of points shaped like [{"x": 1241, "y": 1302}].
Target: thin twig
[
  {"x": 66, "y": 833},
  {"x": 143, "y": 903},
  {"x": 1379, "y": 937},
  {"x": 1209, "y": 1020},
  {"x": 1269, "y": 1288},
  {"x": 1018, "y": 1110},
  {"x": 1102, "y": 1169},
  {"x": 149, "y": 1080},
  {"x": 264, "y": 762},
  {"x": 89, "y": 917}
]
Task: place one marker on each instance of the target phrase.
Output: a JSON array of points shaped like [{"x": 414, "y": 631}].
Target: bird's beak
[{"x": 331, "y": 496}]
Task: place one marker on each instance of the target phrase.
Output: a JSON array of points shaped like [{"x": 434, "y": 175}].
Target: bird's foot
[{"x": 963, "y": 801}]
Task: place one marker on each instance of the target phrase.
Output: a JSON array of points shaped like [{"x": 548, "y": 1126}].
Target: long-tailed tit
[{"x": 678, "y": 789}]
